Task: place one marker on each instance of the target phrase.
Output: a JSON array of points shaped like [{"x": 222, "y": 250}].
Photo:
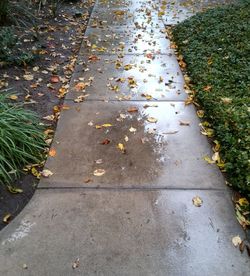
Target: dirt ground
[{"x": 57, "y": 42}]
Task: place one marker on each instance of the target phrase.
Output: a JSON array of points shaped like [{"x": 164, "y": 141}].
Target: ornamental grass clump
[{"x": 21, "y": 140}]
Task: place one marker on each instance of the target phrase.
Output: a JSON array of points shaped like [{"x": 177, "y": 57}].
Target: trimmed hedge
[{"x": 216, "y": 47}]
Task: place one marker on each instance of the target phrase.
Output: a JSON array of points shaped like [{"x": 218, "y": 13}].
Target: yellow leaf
[
  {"x": 35, "y": 172},
  {"x": 6, "y": 218},
  {"x": 152, "y": 120},
  {"x": 121, "y": 147},
  {"x": 106, "y": 125},
  {"x": 197, "y": 201},
  {"x": 243, "y": 201},
  {"x": 13, "y": 97},
  {"x": 209, "y": 160},
  {"x": 128, "y": 67},
  {"x": 14, "y": 190}
]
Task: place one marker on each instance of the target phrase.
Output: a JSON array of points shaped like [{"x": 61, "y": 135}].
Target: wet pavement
[{"x": 129, "y": 160}]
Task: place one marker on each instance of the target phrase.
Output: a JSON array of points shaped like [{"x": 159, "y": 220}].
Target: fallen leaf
[
  {"x": 93, "y": 58},
  {"x": 121, "y": 147},
  {"x": 152, "y": 120},
  {"x": 144, "y": 140},
  {"x": 14, "y": 190},
  {"x": 99, "y": 172},
  {"x": 87, "y": 180},
  {"x": 242, "y": 247},
  {"x": 25, "y": 266},
  {"x": 133, "y": 109},
  {"x": 13, "y": 97},
  {"x": 98, "y": 161},
  {"x": 147, "y": 96},
  {"x": 184, "y": 123},
  {"x": 49, "y": 118},
  {"x": 105, "y": 142},
  {"x": 197, "y": 201},
  {"x": 132, "y": 129},
  {"x": 76, "y": 263},
  {"x": 46, "y": 173},
  {"x": 107, "y": 125},
  {"x": 236, "y": 241},
  {"x": 6, "y": 218},
  {"x": 28, "y": 77},
  {"x": 52, "y": 152},
  {"x": 126, "y": 138},
  {"x": 54, "y": 79},
  {"x": 128, "y": 67}
]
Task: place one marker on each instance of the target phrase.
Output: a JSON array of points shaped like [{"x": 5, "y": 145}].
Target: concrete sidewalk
[{"x": 129, "y": 162}]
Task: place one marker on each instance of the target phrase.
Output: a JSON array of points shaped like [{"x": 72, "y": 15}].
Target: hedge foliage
[{"x": 216, "y": 47}]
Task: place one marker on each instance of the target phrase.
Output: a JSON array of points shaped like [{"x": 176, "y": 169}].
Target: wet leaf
[
  {"x": 147, "y": 96},
  {"x": 76, "y": 263},
  {"x": 105, "y": 142},
  {"x": 121, "y": 147},
  {"x": 197, "y": 201},
  {"x": 99, "y": 172},
  {"x": 6, "y": 218},
  {"x": 133, "y": 109},
  {"x": 152, "y": 120},
  {"x": 46, "y": 173},
  {"x": 236, "y": 241},
  {"x": 128, "y": 67},
  {"x": 184, "y": 123},
  {"x": 14, "y": 190},
  {"x": 52, "y": 152}
]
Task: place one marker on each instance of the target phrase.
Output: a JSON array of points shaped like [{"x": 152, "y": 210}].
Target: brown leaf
[
  {"x": 76, "y": 263},
  {"x": 105, "y": 142},
  {"x": 242, "y": 247},
  {"x": 133, "y": 109},
  {"x": 54, "y": 79}
]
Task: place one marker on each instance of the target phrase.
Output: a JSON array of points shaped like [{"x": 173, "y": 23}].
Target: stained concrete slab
[
  {"x": 125, "y": 41},
  {"x": 169, "y": 154},
  {"x": 160, "y": 76},
  {"x": 123, "y": 233}
]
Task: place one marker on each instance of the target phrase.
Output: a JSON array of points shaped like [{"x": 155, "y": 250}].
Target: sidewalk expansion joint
[{"x": 134, "y": 188}]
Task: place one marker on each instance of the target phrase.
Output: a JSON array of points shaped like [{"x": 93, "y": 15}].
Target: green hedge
[{"x": 216, "y": 47}]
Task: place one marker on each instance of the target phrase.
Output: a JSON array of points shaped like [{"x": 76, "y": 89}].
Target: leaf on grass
[
  {"x": 6, "y": 218},
  {"x": 99, "y": 172},
  {"x": 197, "y": 201},
  {"x": 13, "y": 97}
]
